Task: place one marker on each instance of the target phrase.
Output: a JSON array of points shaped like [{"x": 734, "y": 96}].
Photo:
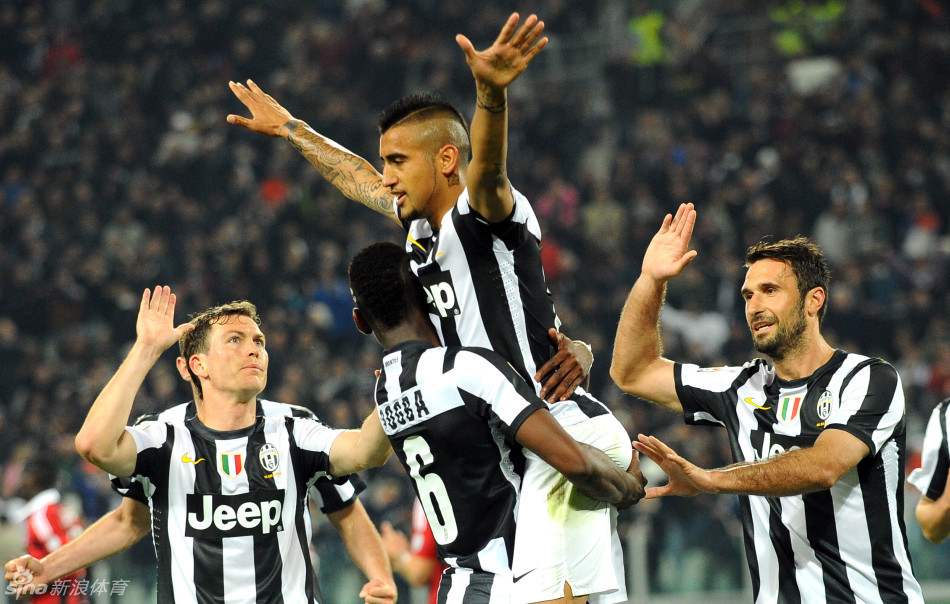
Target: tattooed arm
[
  {"x": 352, "y": 175},
  {"x": 494, "y": 69}
]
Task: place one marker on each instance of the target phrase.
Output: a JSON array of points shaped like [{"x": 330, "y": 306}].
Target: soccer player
[
  {"x": 817, "y": 434},
  {"x": 474, "y": 243},
  {"x": 227, "y": 486},
  {"x": 415, "y": 558},
  {"x": 49, "y": 525},
  {"x": 131, "y": 520},
  {"x": 455, "y": 417},
  {"x": 933, "y": 509}
]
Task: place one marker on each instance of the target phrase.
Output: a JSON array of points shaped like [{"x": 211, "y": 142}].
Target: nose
[{"x": 389, "y": 179}]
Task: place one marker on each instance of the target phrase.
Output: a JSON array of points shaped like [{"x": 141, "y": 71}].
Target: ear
[
  {"x": 196, "y": 363},
  {"x": 182, "y": 365},
  {"x": 361, "y": 323},
  {"x": 448, "y": 160},
  {"x": 815, "y": 299}
]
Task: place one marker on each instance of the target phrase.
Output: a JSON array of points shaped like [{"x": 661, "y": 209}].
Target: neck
[
  {"x": 417, "y": 329},
  {"x": 227, "y": 413},
  {"x": 445, "y": 203},
  {"x": 805, "y": 361}
]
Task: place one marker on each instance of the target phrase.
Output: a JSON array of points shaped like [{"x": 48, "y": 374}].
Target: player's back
[{"x": 452, "y": 415}]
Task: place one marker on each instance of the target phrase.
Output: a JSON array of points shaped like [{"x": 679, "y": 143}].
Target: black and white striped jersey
[
  {"x": 485, "y": 287},
  {"x": 331, "y": 494},
  {"x": 931, "y": 477},
  {"x": 229, "y": 509},
  {"x": 844, "y": 544},
  {"x": 451, "y": 415}
]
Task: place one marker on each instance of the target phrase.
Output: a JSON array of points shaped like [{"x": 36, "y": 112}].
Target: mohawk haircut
[
  {"x": 805, "y": 259},
  {"x": 424, "y": 107},
  {"x": 421, "y": 105},
  {"x": 196, "y": 340},
  {"x": 383, "y": 286}
]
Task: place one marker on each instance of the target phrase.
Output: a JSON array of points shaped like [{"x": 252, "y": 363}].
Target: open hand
[
  {"x": 267, "y": 115},
  {"x": 509, "y": 56},
  {"x": 686, "y": 479},
  {"x": 668, "y": 252},
  {"x": 155, "y": 325}
]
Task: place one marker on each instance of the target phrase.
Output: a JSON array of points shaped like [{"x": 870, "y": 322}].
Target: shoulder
[{"x": 276, "y": 409}]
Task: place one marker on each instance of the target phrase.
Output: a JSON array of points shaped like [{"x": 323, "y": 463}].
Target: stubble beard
[{"x": 787, "y": 340}]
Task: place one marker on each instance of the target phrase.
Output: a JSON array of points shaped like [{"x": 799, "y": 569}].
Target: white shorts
[{"x": 565, "y": 536}]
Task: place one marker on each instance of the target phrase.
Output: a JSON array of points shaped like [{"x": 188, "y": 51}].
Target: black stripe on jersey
[
  {"x": 745, "y": 515},
  {"x": 301, "y": 508},
  {"x": 788, "y": 591},
  {"x": 939, "y": 480},
  {"x": 266, "y": 547},
  {"x": 478, "y": 590},
  {"x": 820, "y": 526},
  {"x": 208, "y": 550},
  {"x": 160, "y": 539},
  {"x": 887, "y": 571}
]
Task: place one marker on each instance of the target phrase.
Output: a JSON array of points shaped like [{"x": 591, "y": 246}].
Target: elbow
[
  {"x": 826, "y": 478},
  {"x": 623, "y": 378},
  {"x": 86, "y": 447},
  {"x": 932, "y": 535}
]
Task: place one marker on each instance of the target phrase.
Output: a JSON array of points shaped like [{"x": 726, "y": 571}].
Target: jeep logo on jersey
[
  {"x": 269, "y": 457},
  {"x": 440, "y": 294},
  {"x": 217, "y": 516},
  {"x": 767, "y": 444}
]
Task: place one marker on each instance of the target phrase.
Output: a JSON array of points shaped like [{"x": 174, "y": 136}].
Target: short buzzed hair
[
  {"x": 196, "y": 340},
  {"x": 383, "y": 286},
  {"x": 805, "y": 259},
  {"x": 425, "y": 107}
]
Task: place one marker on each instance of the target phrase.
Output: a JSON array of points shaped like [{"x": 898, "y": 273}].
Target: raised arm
[
  {"x": 366, "y": 549},
  {"x": 494, "y": 69},
  {"x": 103, "y": 440},
  {"x": 638, "y": 366},
  {"x": 356, "y": 450},
  {"x": 111, "y": 534},
  {"x": 795, "y": 472},
  {"x": 352, "y": 175},
  {"x": 589, "y": 469}
]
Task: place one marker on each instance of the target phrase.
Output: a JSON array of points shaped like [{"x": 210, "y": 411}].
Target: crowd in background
[{"x": 119, "y": 172}]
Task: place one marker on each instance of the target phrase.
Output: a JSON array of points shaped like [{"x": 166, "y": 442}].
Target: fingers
[
  {"x": 567, "y": 381},
  {"x": 507, "y": 29},
  {"x": 466, "y": 45}
]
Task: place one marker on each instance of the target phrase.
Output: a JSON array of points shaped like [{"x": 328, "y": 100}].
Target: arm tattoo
[
  {"x": 490, "y": 107},
  {"x": 350, "y": 174}
]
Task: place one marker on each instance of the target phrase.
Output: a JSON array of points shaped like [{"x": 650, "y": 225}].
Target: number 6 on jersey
[{"x": 432, "y": 493}]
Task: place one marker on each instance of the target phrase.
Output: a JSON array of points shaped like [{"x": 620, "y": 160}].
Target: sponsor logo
[
  {"x": 269, "y": 457},
  {"x": 440, "y": 293},
  {"x": 523, "y": 575},
  {"x": 748, "y": 400},
  {"x": 788, "y": 408},
  {"x": 186, "y": 459},
  {"x": 218, "y": 516},
  {"x": 231, "y": 464},
  {"x": 767, "y": 444}
]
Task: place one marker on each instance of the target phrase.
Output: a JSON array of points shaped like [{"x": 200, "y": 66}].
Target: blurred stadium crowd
[{"x": 118, "y": 172}]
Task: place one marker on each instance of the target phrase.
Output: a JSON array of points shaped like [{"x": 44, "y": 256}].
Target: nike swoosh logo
[
  {"x": 523, "y": 575},
  {"x": 749, "y": 400},
  {"x": 186, "y": 459}
]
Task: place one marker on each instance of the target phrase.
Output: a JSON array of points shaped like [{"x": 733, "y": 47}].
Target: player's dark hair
[
  {"x": 196, "y": 340},
  {"x": 383, "y": 286},
  {"x": 422, "y": 107},
  {"x": 803, "y": 256},
  {"x": 42, "y": 471}
]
